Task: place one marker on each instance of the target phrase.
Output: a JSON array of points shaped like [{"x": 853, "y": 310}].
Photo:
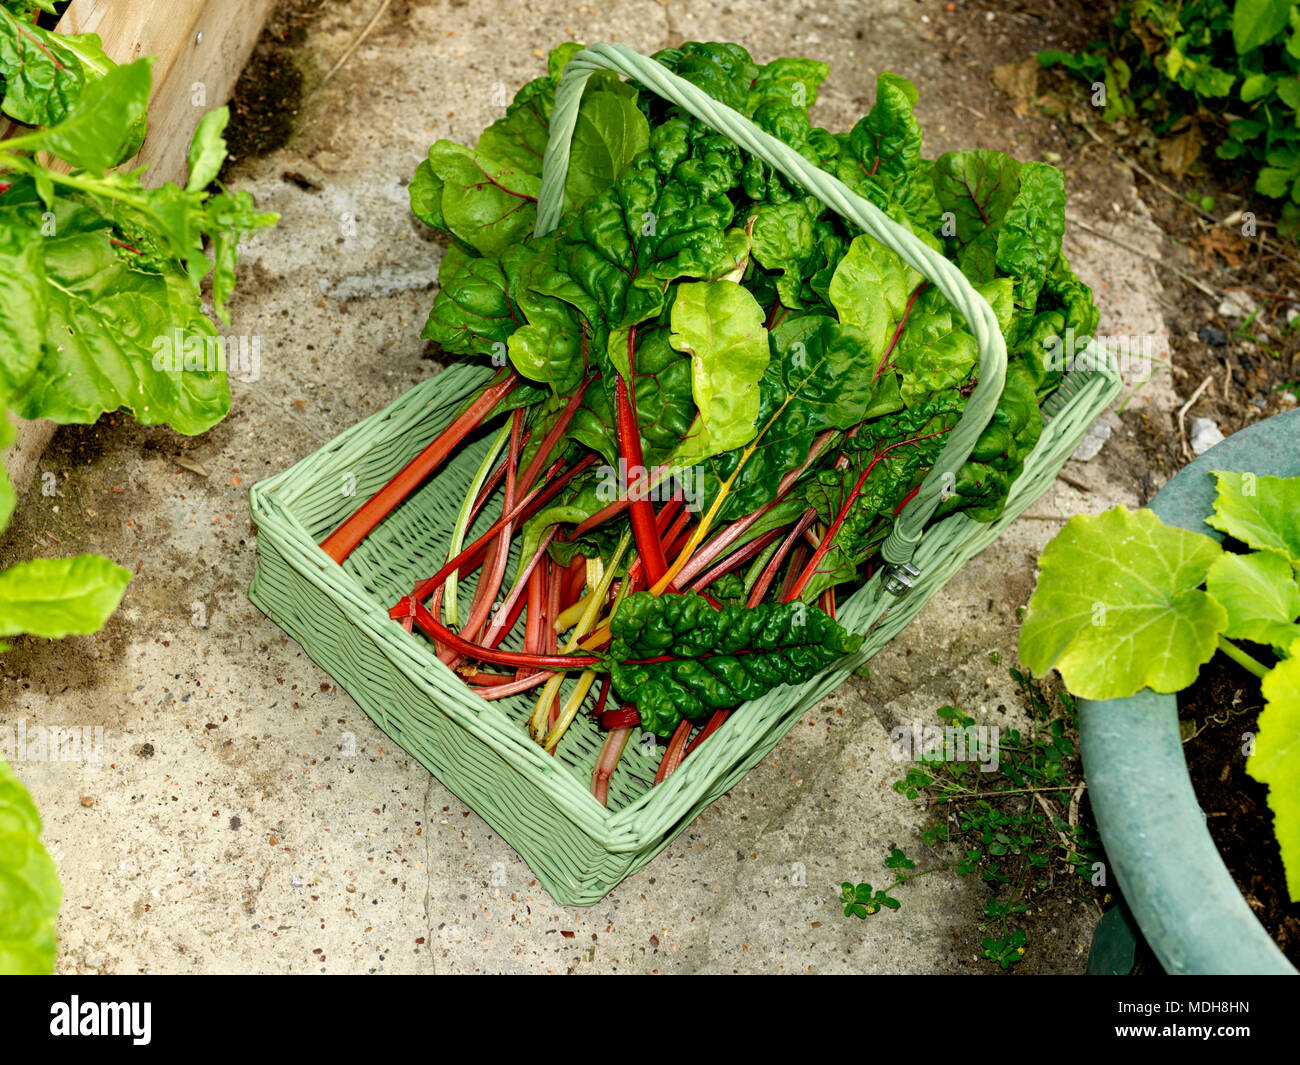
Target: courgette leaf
[
  {"x": 1259, "y": 510},
  {"x": 1260, "y": 594},
  {"x": 1118, "y": 606},
  {"x": 1276, "y": 760}
]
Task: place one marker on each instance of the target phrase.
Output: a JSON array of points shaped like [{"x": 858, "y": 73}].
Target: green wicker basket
[{"x": 542, "y": 805}]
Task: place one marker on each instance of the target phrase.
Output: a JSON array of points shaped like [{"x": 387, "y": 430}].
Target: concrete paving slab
[{"x": 246, "y": 815}]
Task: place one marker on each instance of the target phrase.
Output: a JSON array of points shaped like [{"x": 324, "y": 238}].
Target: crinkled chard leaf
[{"x": 716, "y": 659}]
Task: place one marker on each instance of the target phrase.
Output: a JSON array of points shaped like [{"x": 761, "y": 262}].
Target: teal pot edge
[{"x": 1182, "y": 895}]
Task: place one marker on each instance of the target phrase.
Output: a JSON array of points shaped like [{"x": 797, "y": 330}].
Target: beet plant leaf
[
  {"x": 92, "y": 324},
  {"x": 1276, "y": 760},
  {"x": 43, "y": 73},
  {"x": 1260, "y": 511},
  {"x": 30, "y": 893},
  {"x": 1118, "y": 606},
  {"x": 677, "y": 656},
  {"x": 57, "y": 597},
  {"x": 1260, "y": 594}
]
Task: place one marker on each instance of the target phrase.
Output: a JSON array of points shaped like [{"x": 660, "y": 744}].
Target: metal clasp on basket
[{"x": 898, "y": 577}]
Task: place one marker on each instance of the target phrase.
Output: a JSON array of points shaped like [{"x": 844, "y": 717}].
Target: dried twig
[
  {"x": 374, "y": 20},
  {"x": 1277, "y": 246},
  {"x": 1182, "y": 415}
]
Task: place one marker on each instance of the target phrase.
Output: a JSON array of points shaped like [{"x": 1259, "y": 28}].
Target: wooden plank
[
  {"x": 201, "y": 46},
  {"x": 202, "y": 78}
]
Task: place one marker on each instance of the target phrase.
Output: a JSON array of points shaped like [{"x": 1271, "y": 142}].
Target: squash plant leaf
[
  {"x": 57, "y": 597},
  {"x": 1119, "y": 607},
  {"x": 30, "y": 892},
  {"x": 1260, "y": 511},
  {"x": 1260, "y": 594},
  {"x": 677, "y": 656},
  {"x": 1276, "y": 760}
]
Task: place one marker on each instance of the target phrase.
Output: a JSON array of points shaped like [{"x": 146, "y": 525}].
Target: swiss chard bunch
[
  {"x": 715, "y": 395},
  {"x": 1125, "y": 602}
]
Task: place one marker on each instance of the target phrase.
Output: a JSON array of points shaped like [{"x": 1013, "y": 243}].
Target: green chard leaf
[
  {"x": 30, "y": 893},
  {"x": 1119, "y": 607},
  {"x": 1029, "y": 239},
  {"x": 888, "y": 459},
  {"x": 716, "y": 659},
  {"x": 487, "y": 196},
  {"x": 207, "y": 149},
  {"x": 101, "y": 127},
  {"x": 1276, "y": 760},
  {"x": 720, "y": 326},
  {"x": 43, "y": 73},
  {"x": 819, "y": 378},
  {"x": 882, "y": 156},
  {"x": 665, "y": 405},
  {"x": 872, "y": 290},
  {"x": 57, "y": 597},
  {"x": 977, "y": 187},
  {"x": 107, "y": 332}
]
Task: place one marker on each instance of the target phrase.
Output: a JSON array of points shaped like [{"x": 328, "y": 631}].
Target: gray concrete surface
[{"x": 228, "y": 828}]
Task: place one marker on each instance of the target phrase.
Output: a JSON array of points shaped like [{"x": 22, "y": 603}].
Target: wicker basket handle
[{"x": 906, "y": 534}]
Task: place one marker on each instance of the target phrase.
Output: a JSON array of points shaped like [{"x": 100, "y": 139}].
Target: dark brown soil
[
  {"x": 269, "y": 93},
  {"x": 1217, "y": 712}
]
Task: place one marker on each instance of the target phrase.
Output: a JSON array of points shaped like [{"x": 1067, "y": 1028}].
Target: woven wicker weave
[{"x": 480, "y": 750}]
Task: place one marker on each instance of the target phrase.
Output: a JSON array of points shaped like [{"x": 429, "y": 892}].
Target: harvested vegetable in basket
[{"x": 714, "y": 395}]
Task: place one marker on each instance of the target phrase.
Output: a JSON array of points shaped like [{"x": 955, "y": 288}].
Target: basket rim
[{"x": 644, "y": 820}]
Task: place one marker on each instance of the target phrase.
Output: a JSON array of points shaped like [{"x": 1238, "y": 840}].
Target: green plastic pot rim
[{"x": 1172, "y": 876}]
